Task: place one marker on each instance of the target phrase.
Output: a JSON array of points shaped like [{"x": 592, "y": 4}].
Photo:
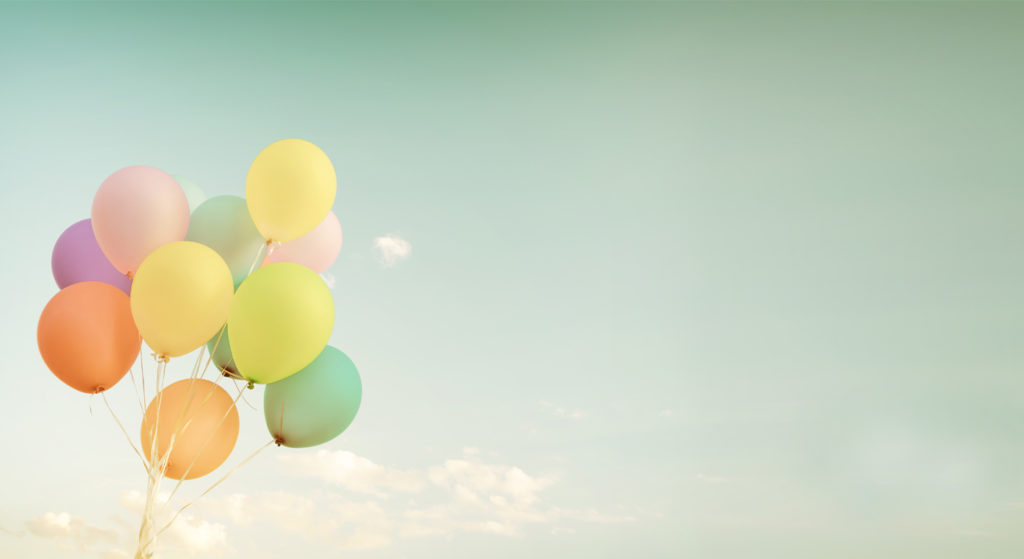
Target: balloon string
[
  {"x": 123, "y": 430},
  {"x": 212, "y": 487},
  {"x": 154, "y": 429},
  {"x": 142, "y": 376},
  {"x": 155, "y": 470},
  {"x": 178, "y": 426},
  {"x": 213, "y": 432},
  {"x": 135, "y": 388},
  {"x": 191, "y": 394},
  {"x": 216, "y": 344},
  {"x": 259, "y": 256},
  {"x": 247, "y": 401},
  {"x": 199, "y": 359}
]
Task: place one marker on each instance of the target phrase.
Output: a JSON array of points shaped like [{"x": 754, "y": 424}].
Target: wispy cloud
[
  {"x": 392, "y": 249},
  {"x": 16, "y": 533},
  {"x": 355, "y": 473},
  {"x": 376, "y": 505},
  {"x": 341, "y": 523},
  {"x": 71, "y": 529},
  {"x": 559, "y": 411},
  {"x": 710, "y": 479},
  {"x": 974, "y": 533},
  {"x": 462, "y": 494},
  {"x": 188, "y": 533}
]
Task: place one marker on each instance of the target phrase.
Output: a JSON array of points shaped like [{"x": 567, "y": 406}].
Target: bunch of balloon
[{"x": 158, "y": 262}]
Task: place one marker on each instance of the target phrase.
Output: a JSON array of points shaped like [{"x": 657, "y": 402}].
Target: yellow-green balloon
[
  {"x": 290, "y": 188},
  {"x": 280, "y": 320},
  {"x": 180, "y": 297}
]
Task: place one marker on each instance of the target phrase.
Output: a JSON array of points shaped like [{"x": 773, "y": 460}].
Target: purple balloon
[{"x": 77, "y": 257}]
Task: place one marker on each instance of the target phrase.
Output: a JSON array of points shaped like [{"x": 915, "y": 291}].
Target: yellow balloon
[
  {"x": 289, "y": 190},
  {"x": 281, "y": 319},
  {"x": 181, "y": 296}
]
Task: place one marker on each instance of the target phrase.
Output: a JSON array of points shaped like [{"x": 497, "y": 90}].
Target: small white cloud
[
  {"x": 197, "y": 536},
  {"x": 354, "y": 473},
  {"x": 237, "y": 506},
  {"x": 188, "y": 533},
  {"x": 70, "y": 529},
  {"x": 134, "y": 501},
  {"x": 392, "y": 249},
  {"x": 666, "y": 413}
]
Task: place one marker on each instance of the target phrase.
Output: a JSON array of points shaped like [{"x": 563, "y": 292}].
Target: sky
[{"x": 710, "y": 280}]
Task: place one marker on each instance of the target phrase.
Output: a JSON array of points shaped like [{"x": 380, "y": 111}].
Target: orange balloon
[
  {"x": 203, "y": 420},
  {"x": 87, "y": 336}
]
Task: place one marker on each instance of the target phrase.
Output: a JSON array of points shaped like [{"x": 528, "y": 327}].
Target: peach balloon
[
  {"x": 87, "y": 337},
  {"x": 316, "y": 250},
  {"x": 203, "y": 420},
  {"x": 135, "y": 211}
]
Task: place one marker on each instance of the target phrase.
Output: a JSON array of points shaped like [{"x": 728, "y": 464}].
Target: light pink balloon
[
  {"x": 137, "y": 210},
  {"x": 316, "y": 250}
]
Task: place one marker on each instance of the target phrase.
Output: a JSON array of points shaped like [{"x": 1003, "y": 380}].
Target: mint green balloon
[
  {"x": 193, "y": 193},
  {"x": 223, "y": 224},
  {"x": 315, "y": 404},
  {"x": 220, "y": 350}
]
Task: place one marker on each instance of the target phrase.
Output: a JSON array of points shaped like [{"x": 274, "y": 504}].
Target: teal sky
[{"x": 686, "y": 279}]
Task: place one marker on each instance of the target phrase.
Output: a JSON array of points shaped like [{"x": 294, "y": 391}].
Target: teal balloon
[
  {"x": 220, "y": 351},
  {"x": 315, "y": 404},
  {"x": 193, "y": 193},
  {"x": 223, "y": 224}
]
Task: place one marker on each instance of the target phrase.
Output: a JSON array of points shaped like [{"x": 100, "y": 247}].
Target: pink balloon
[
  {"x": 316, "y": 250},
  {"x": 137, "y": 210}
]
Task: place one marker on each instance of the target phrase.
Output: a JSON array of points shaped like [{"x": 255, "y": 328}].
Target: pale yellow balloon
[
  {"x": 290, "y": 188},
  {"x": 181, "y": 297}
]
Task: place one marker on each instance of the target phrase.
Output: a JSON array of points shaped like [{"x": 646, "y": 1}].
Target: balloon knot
[
  {"x": 251, "y": 385},
  {"x": 278, "y": 441},
  {"x": 130, "y": 274},
  {"x": 161, "y": 358}
]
